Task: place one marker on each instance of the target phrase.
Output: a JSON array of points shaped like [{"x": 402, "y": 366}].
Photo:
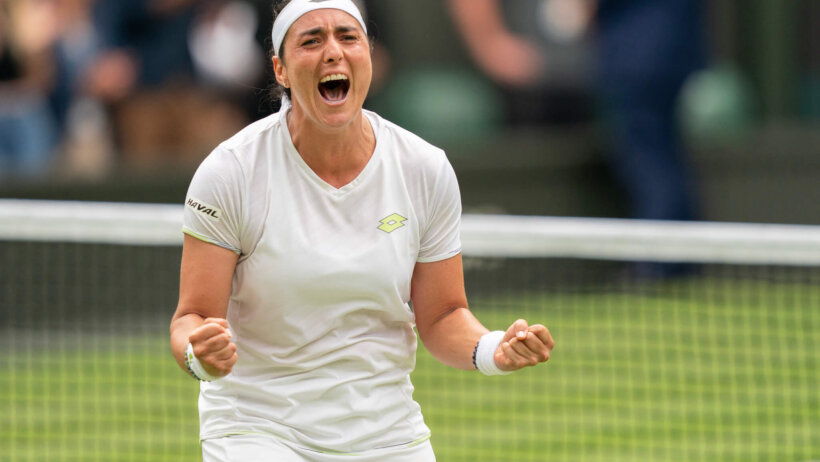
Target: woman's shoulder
[
  {"x": 253, "y": 132},
  {"x": 244, "y": 147}
]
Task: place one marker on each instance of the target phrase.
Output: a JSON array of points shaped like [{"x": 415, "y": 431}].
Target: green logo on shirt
[{"x": 392, "y": 223}]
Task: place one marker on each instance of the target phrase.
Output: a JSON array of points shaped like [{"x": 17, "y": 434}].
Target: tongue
[{"x": 333, "y": 92}]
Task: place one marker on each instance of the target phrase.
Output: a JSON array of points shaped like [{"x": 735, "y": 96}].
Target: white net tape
[{"x": 482, "y": 235}]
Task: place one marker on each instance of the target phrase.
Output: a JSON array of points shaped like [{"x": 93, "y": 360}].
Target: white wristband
[
  {"x": 485, "y": 353},
  {"x": 195, "y": 367}
]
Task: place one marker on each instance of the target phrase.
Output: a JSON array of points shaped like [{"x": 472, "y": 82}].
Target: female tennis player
[{"x": 307, "y": 235}]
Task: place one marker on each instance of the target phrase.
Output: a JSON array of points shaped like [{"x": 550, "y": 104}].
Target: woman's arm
[
  {"x": 204, "y": 290},
  {"x": 449, "y": 330}
]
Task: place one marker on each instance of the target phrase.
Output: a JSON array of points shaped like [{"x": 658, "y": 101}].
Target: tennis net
[{"x": 675, "y": 341}]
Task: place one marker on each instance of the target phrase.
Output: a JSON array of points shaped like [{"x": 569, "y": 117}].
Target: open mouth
[{"x": 334, "y": 87}]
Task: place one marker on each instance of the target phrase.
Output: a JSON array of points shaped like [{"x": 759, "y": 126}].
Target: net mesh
[{"x": 690, "y": 359}]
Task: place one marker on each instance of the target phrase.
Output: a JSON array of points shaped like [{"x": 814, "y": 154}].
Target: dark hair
[{"x": 276, "y": 89}]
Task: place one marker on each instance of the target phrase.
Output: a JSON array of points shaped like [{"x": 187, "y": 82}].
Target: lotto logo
[{"x": 392, "y": 223}]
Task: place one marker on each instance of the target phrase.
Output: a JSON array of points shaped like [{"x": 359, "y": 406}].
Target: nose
[{"x": 333, "y": 51}]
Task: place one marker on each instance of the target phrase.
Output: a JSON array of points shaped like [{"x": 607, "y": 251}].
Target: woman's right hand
[{"x": 213, "y": 347}]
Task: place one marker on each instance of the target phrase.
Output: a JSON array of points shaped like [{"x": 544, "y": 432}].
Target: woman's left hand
[{"x": 523, "y": 346}]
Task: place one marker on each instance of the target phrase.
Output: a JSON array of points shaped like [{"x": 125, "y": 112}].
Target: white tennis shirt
[{"x": 319, "y": 301}]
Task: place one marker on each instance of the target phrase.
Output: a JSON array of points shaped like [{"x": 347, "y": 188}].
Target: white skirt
[{"x": 263, "y": 448}]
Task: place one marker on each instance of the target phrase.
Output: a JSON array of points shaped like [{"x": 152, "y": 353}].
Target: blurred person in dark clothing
[
  {"x": 645, "y": 51},
  {"x": 28, "y": 132},
  {"x": 86, "y": 148},
  {"x": 144, "y": 72},
  {"x": 145, "y": 43}
]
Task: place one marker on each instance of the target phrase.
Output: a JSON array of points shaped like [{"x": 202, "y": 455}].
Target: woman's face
[{"x": 327, "y": 66}]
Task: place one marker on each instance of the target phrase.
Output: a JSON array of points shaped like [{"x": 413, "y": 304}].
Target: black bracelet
[{"x": 475, "y": 350}]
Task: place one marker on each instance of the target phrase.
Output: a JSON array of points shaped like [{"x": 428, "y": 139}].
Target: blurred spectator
[
  {"x": 645, "y": 50},
  {"x": 87, "y": 145},
  {"x": 536, "y": 51},
  {"x": 229, "y": 44},
  {"x": 139, "y": 82},
  {"x": 145, "y": 42},
  {"x": 145, "y": 74},
  {"x": 223, "y": 44},
  {"x": 27, "y": 130},
  {"x": 102, "y": 81}
]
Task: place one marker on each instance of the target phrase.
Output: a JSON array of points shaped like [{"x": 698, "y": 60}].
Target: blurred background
[{"x": 667, "y": 109}]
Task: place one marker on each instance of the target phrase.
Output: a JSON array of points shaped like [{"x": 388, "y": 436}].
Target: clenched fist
[
  {"x": 213, "y": 347},
  {"x": 523, "y": 346}
]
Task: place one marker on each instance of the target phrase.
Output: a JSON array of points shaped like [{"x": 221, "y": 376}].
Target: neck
[{"x": 337, "y": 155}]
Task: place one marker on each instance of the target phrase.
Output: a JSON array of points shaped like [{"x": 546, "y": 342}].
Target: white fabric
[
  {"x": 485, "y": 353},
  {"x": 247, "y": 448},
  {"x": 319, "y": 305},
  {"x": 196, "y": 367},
  {"x": 262, "y": 448},
  {"x": 298, "y": 8}
]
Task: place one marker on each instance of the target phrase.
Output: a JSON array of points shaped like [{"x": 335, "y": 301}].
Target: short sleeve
[
  {"x": 213, "y": 206},
  {"x": 440, "y": 238}
]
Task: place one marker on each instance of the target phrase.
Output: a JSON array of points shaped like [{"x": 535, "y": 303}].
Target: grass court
[{"x": 728, "y": 371}]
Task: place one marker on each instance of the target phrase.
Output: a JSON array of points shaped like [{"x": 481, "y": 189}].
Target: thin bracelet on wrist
[{"x": 195, "y": 367}]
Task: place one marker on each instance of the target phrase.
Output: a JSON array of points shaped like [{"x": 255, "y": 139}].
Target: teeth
[{"x": 330, "y": 77}]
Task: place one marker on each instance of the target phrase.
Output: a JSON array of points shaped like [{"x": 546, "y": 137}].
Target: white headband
[{"x": 297, "y": 8}]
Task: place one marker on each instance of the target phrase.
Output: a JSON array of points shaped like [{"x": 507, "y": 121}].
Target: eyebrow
[{"x": 319, "y": 30}]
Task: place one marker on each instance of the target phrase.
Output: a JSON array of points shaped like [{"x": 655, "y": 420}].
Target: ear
[{"x": 280, "y": 71}]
